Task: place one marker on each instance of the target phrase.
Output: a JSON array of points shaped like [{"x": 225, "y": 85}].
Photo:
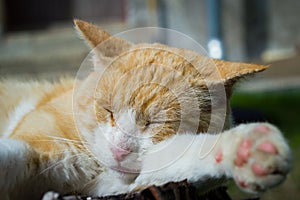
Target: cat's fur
[{"x": 133, "y": 126}]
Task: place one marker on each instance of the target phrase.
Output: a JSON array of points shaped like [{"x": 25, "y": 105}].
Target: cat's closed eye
[
  {"x": 147, "y": 123},
  {"x": 112, "y": 119}
]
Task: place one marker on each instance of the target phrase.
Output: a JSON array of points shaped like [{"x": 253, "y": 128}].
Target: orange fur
[
  {"x": 53, "y": 112},
  {"x": 52, "y": 117}
]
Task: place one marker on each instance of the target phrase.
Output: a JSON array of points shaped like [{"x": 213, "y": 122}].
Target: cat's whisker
[
  {"x": 67, "y": 113},
  {"x": 78, "y": 144},
  {"x": 60, "y": 162},
  {"x": 56, "y": 140},
  {"x": 67, "y": 140}
]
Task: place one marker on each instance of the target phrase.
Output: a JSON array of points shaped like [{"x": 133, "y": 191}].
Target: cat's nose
[{"x": 119, "y": 154}]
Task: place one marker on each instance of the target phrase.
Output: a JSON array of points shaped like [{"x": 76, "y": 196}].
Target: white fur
[
  {"x": 24, "y": 107},
  {"x": 182, "y": 157},
  {"x": 111, "y": 182},
  {"x": 68, "y": 172},
  {"x": 13, "y": 163}
]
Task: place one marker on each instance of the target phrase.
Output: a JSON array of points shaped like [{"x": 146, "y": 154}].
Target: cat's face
[{"x": 149, "y": 92}]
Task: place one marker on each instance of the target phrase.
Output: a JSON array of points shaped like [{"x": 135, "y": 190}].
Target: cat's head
[{"x": 145, "y": 93}]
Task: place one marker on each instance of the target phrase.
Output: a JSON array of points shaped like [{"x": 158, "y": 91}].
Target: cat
[{"x": 133, "y": 125}]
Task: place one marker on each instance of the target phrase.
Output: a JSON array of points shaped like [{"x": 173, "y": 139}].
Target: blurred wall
[
  {"x": 284, "y": 23},
  {"x": 251, "y": 30}
]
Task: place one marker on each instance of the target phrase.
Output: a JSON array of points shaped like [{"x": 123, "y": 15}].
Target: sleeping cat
[{"x": 147, "y": 114}]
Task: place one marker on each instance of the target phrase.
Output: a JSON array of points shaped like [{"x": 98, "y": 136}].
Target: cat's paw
[{"x": 262, "y": 157}]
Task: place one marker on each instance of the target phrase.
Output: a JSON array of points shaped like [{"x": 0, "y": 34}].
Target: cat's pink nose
[{"x": 119, "y": 154}]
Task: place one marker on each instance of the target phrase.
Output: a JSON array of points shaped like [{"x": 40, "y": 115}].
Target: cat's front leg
[
  {"x": 255, "y": 155},
  {"x": 188, "y": 156}
]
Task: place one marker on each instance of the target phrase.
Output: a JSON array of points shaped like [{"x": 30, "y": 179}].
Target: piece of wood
[{"x": 170, "y": 191}]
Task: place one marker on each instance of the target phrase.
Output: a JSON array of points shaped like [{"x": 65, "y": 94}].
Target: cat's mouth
[
  {"x": 126, "y": 170},
  {"x": 131, "y": 164}
]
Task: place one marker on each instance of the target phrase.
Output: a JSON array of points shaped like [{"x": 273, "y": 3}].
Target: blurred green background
[{"x": 279, "y": 107}]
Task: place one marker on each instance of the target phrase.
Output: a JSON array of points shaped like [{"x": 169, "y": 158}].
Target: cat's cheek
[{"x": 99, "y": 147}]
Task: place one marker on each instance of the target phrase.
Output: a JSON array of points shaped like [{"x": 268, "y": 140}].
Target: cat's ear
[
  {"x": 227, "y": 73},
  {"x": 231, "y": 72},
  {"x": 104, "y": 44},
  {"x": 220, "y": 71}
]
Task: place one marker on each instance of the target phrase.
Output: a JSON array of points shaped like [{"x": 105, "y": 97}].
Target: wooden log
[{"x": 170, "y": 191}]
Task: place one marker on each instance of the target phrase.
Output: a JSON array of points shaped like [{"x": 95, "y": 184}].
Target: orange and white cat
[{"x": 133, "y": 125}]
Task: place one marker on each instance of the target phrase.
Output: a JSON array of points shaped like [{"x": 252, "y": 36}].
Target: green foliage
[{"x": 280, "y": 107}]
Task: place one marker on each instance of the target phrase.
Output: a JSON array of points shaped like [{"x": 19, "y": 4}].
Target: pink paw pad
[
  {"x": 258, "y": 170},
  {"x": 268, "y": 147},
  {"x": 262, "y": 129},
  {"x": 242, "y": 183},
  {"x": 219, "y": 156},
  {"x": 243, "y": 152}
]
